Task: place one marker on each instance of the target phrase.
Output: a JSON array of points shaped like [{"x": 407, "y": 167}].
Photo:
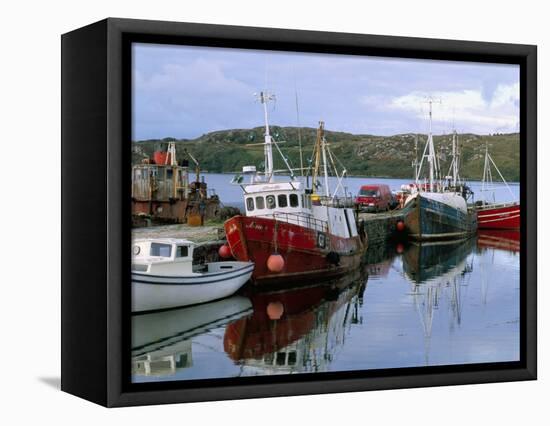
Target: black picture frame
[{"x": 96, "y": 134}]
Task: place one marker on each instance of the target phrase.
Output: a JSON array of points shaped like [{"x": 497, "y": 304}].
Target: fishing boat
[
  {"x": 490, "y": 214},
  {"x": 437, "y": 209},
  {"x": 164, "y": 276},
  {"x": 291, "y": 232}
]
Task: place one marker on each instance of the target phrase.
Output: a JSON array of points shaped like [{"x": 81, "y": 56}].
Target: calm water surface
[
  {"x": 232, "y": 194},
  {"x": 414, "y": 305}
]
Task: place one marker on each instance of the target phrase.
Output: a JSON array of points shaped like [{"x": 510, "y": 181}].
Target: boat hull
[
  {"x": 156, "y": 292},
  {"x": 499, "y": 217},
  {"x": 308, "y": 253},
  {"x": 428, "y": 219}
]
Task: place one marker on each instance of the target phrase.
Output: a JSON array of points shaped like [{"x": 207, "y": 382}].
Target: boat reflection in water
[
  {"x": 161, "y": 341},
  {"x": 435, "y": 271},
  {"x": 297, "y": 330},
  {"x": 508, "y": 240},
  {"x": 437, "y": 303}
]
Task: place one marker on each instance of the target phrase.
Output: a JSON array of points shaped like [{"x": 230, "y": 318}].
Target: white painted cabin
[
  {"x": 288, "y": 202},
  {"x": 163, "y": 256}
]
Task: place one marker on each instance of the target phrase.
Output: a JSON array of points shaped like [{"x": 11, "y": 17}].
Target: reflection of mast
[{"x": 436, "y": 270}]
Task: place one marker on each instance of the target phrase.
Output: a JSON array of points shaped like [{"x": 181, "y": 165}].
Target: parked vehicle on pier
[{"x": 374, "y": 198}]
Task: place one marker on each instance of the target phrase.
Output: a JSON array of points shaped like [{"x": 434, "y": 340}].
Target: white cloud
[{"x": 466, "y": 108}]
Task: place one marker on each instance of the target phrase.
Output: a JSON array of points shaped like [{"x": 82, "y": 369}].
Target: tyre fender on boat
[{"x": 333, "y": 258}]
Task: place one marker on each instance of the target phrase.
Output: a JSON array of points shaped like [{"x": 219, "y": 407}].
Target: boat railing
[
  {"x": 336, "y": 201},
  {"x": 487, "y": 205},
  {"x": 305, "y": 220}
]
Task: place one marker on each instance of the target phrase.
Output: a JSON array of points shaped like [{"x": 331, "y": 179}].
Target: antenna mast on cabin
[{"x": 264, "y": 98}]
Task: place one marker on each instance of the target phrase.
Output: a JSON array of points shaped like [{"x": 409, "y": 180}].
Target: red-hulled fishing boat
[
  {"x": 493, "y": 215},
  {"x": 292, "y": 233},
  {"x": 498, "y": 216}
]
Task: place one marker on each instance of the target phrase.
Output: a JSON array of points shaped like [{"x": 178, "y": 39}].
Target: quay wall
[{"x": 381, "y": 227}]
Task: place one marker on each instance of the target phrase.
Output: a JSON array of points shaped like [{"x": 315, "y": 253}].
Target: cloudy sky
[{"x": 184, "y": 92}]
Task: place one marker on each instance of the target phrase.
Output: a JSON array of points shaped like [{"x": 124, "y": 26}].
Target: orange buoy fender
[
  {"x": 224, "y": 251},
  {"x": 275, "y": 310},
  {"x": 275, "y": 263}
]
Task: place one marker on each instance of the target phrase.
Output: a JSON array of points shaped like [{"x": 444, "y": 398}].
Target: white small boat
[{"x": 163, "y": 275}]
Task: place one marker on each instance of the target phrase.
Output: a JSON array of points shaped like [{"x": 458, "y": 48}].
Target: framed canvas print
[{"x": 253, "y": 212}]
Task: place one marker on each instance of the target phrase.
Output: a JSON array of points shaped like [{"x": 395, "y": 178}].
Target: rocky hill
[{"x": 363, "y": 155}]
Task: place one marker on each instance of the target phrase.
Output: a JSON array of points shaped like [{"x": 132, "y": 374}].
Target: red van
[{"x": 374, "y": 198}]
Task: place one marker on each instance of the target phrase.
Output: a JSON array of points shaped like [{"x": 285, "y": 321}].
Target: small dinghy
[{"x": 163, "y": 275}]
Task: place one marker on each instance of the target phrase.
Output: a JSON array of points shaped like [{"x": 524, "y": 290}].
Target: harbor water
[
  {"x": 232, "y": 194},
  {"x": 409, "y": 305}
]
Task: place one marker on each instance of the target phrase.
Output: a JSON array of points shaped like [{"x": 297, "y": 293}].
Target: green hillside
[{"x": 363, "y": 155}]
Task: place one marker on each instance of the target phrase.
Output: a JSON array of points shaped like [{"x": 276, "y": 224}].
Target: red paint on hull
[
  {"x": 499, "y": 217},
  {"x": 304, "y": 249}
]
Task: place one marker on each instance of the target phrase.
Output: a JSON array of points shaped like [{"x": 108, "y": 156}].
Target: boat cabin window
[
  {"x": 160, "y": 249},
  {"x": 182, "y": 251},
  {"x": 260, "y": 203},
  {"x": 250, "y": 204},
  {"x": 294, "y": 200},
  {"x": 292, "y": 358},
  {"x": 270, "y": 200},
  {"x": 283, "y": 201}
]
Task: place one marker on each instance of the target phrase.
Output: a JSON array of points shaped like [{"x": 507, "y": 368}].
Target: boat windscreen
[{"x": 161, "y": 249}]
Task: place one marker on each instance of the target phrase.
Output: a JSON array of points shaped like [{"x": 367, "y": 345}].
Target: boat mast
[
  {"x": 299, "y": 129},
  {"x": 431, "y": 150},
  {"x": 415, "y": 162},
  {"x": 487, "y": 181},
  {"x": 264, "y": 98},
  {"x": 433, "y": 165},
  {"x": 456, "y": 154},
  {"x": 323, "y": 149}
]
